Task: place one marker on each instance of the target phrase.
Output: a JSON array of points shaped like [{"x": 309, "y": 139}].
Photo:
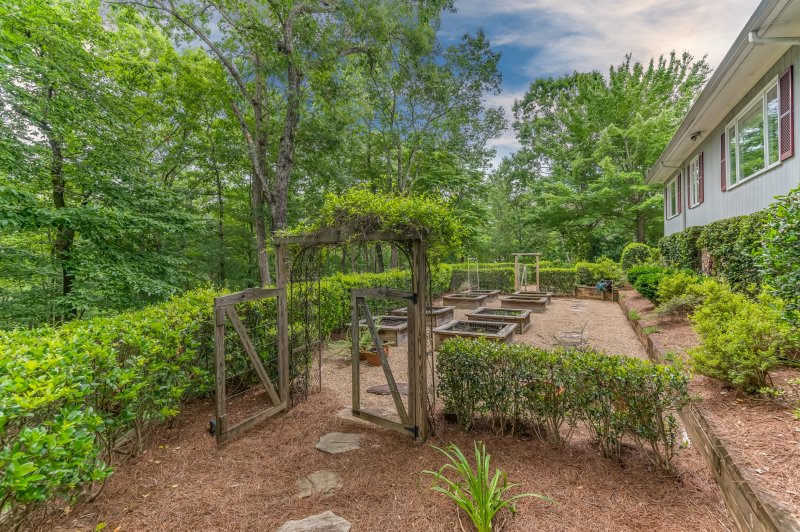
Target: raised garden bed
[
  {"x": 391, "y": 329},
  {"x": 492, "y": 296},
  {"x": 520, "y": 317},
  {"x": 464, "y": 300},
  {"x": 441, "y": 315},
  {"x": 534, "y": 304},
  {"x": 499, "y": 332},
  {"x": 547, "y": 295},
  {"x": 591, "y": 292}
]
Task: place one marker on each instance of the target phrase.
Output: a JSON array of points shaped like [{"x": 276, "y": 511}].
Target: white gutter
[{"x": 754, "y": 38}]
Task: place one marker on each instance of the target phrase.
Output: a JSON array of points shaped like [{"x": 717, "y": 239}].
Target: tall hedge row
[{"x": 500, "y": 276}]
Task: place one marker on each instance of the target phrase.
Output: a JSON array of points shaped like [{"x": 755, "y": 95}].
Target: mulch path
[
  {"x": 183, "y": 481},
  {"x": 762, "y": 434}
]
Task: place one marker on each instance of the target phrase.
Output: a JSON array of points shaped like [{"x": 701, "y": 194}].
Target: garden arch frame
[
  {"x": 518, "y": 273},
  {"x": 414, "y": 420}
]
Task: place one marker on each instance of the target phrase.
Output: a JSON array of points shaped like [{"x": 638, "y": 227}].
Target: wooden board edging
[{"x": 751, "y": 509}]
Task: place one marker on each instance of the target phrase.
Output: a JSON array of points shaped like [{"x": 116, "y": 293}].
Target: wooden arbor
[
  {"x": 518, "y": 273},
  {"x": 414, "y": 419}
]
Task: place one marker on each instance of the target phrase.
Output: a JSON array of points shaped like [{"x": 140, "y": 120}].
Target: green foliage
[
  {"x": 780, "y": 259},
  {"x": 634, "y": 315},
  {"x": 680, "y": 250},
  {"x": 493, "y": 276},
  {"x": 677, "y": 284},
  {"x": 633, "y": 274},
  {"x": 361, "y": 212},
  {"x": 553, "y": 391},
  {"x": 560, "y": 281},
  {"x": 636, "y": 254},
  {"x": 648, "y": 283},
  {"x": 742, "y": 339},
  {"x": 479, "y": 493},
  {"x": 605, "y": 269}
]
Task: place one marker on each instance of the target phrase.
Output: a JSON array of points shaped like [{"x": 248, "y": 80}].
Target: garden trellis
[{"x": 520, "y": 271}]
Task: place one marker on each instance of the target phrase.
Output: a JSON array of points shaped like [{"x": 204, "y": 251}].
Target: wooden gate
[
  {"x": 409, "y": 417},
  {"x": 225, "y": 307}
]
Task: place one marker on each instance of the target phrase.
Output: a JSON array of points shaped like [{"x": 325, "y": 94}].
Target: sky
[{"x": 541, "y": 38}]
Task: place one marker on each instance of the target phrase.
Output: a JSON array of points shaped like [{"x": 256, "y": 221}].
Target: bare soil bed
[
  {"x": 185, "y": 482},
  {"x": 762, "y": 434}
]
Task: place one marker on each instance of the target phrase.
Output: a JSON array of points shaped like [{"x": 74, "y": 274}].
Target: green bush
[
  {"x": 491, "y": 276},
  {"x": 742, "y": 339},
  {"x": 648, "y": 284},
  {"x": 590, "y": 273},
  {"x": 553, "y": 391},
  {"x": 781, "y": 255},
  {"x": 634, "y": 273},
  {"x": 560, "y": 281},
  {"x": 676, "y": 284},
  {"x": 680, "y": 250},
  {"x": 636, "y": 254}
]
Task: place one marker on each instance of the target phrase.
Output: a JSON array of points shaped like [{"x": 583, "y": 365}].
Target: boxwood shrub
[
  {"x": 553, "y": 391},
  {"x": 636, "y": 254}
]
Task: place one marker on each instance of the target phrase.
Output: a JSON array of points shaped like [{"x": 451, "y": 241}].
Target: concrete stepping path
[
  {"x": 339, "y": 442},
  {"x": 322, "y": 482},
  {"x": 324, "y": 522}
]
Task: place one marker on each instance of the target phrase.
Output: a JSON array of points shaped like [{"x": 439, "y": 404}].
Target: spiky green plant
[{"x": 480, "y": 495}]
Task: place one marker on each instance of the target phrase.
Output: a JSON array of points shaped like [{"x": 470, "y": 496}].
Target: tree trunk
[
  {"x": 379, "y": 265},
  {"x": 65, "y": 236},
  {"x": 640, "y": 227},
  {"x": 257, "y": 204},
  {"x": 258, "y": 192},
  {"x": 394, "y": 260},
  {"x": 343, "y": 265},
  {"x": 220, "y": 226}
]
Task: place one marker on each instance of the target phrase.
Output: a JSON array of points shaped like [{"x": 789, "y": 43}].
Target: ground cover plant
[
  {"x": 553, "y": 391},
  {"x": 477, "y": 492}
]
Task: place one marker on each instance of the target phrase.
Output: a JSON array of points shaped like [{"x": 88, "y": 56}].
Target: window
[
  {"x": 694, "y": 175},
  {"x": 672, "y": 199},
  {"x": 753, "y": 137}
]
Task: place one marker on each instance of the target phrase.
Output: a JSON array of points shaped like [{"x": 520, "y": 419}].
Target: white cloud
[{"x": 554, "y": 37}]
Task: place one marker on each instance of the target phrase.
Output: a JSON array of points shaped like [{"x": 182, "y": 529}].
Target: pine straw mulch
[
  {"x": 184, "y": 482},
  {"x": 762, "y": 434}
]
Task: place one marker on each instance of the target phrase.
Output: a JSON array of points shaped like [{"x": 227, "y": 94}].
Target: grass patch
[
  {"x": 634, "y": 315},
  {"x": 650, "y": 329}
]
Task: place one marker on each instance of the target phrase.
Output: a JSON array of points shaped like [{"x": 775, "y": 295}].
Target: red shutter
[
  {"x": 786, "y": 84},
  {"x": 680, "y": 192},
  {"x": 723, "y": 151},
  {"x": 702, "y": 185}
]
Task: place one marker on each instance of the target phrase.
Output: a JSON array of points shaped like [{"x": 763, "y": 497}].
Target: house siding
[{"x": 754, "y": 194}]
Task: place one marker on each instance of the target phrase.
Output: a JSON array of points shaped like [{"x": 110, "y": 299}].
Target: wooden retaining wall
[
  {"x": 591, "y": 292},
  {"x": 752, "y": 509}
]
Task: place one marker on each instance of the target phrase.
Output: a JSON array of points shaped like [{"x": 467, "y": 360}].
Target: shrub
[
  {"x": 742, "y": 340},
  {"x": 680, "y": 250},
  {"x": 636, "y": 254},
  {"x": 678, "y": 294},
  {"x": 634, "y": 273},
  {"x": 560, "y": 281},
  {"x": 647, "y": 285},
  {"x": 780, "y": 259},
  {"x": 555, "y": 390},
  {"x": 492, "y": 276},
  {"x": 676, "y": 284},
  {"x": 605, "y": 269}
]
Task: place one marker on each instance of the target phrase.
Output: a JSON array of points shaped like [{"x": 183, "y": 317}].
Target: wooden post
[
  {"x": 354, "y": 341},
  {"x": 537, "y": 273},
  {"x": 219, "y": 367},
  {"x": 516, "y": 273},
  {"x": 283, "y": 326},
  {"x": 417, "y": 343}
]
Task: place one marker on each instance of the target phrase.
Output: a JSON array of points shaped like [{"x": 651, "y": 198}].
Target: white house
[{"x": 735, "y": 150}]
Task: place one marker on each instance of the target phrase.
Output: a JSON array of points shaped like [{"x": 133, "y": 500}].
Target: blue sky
[{"x": 540, "y": 38}]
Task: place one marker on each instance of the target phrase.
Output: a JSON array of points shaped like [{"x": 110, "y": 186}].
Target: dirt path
[{"x": 184, "y": 482}]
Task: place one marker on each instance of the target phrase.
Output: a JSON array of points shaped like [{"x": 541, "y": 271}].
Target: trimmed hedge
[
  {"x": 781, "y": 257},
  {"x": 70, "y": 395},
  {"x": 553, "y": 391},
  {"x": 591, "y": 273},
  {"x": 500, "y": 276},
  {"x": 560, "y": 281},
  {"x": 636, "y": 254}
]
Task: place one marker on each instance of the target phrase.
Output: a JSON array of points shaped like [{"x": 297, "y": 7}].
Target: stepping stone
[
  {"x": 324, "y": 522},
  {"x": 383, "y": 389},
  {"x": 324, "y": 482},
  {"x": 339, "y": 442}
]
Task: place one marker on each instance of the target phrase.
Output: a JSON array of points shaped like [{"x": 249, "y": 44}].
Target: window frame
[
  {"x": 733, "y": 125},
  {"x": 668, "y": 199},
  {"x": 693, "y": 181}
]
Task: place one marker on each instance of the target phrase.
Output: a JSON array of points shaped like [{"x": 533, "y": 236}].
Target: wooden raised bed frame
[
  {"x": 441, "y": 315},
  {"x": 392, "y": 329},
  {"x": 534, "y": 304},
  {"x": 547, "y": 295},
  {"x": 501, "y": 332},
  {"x": 464, "y": 300},
  {"x": 518, "y": 316},
  {"x": 492, "y": 296}
]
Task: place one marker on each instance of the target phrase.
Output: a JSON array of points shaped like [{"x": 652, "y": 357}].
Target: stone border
[
  {"x": 751, "y": 508},
  {"x": 590, "y": 292}
]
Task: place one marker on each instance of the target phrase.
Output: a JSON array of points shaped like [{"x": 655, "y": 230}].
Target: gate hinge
[
  {"x": 412, "y": 298},
  {"x": 413, "y": 430}
]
